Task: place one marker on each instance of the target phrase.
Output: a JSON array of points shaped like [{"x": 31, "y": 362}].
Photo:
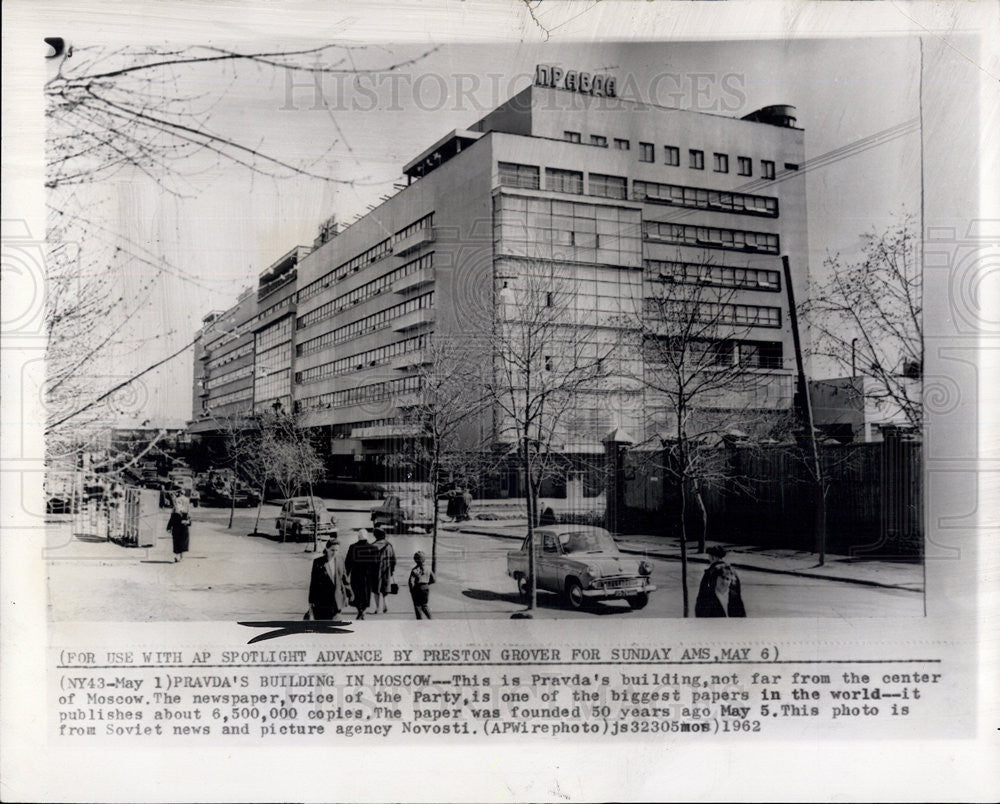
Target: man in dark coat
[
  {"x": 719, "y": 594},
  {"x": 328, "y": 584},
  {"x": 360, "y": 564}
]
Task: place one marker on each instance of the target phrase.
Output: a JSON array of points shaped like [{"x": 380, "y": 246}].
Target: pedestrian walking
[
  {"x": 421, "y": 578},
  {"x": 384, "y": 566},
  {"x": 466, "y": 505},
  {"x": 359, "y": 566},
  {"x": 179, "y": 525},
  {"x": 328, "y": 585},
  {"x": 719, "y": 594},
  {"x": 548, "y": 516}
]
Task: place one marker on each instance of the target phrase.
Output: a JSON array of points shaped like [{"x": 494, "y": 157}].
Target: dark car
[
  {"x": 304, "y": 518},
  {"x": 401, "y": 511}
]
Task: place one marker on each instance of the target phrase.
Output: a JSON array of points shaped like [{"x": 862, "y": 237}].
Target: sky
[{"x": 219, "y": 225}]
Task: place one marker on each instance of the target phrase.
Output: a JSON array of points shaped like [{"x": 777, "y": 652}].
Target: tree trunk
[
  {"x": 232, "y": 492},
  {"x": 819, "y": 523},
  {"x": 703, "y": 534},
  {"x": 260, "y": 506},
  {"x": 531, "y": 507},
  {"x": 434, "y": 534},
  {"x": 684, "y": 553}
]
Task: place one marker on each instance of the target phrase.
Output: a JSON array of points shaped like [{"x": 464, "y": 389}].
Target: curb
[{"x": 736, "y": 565}]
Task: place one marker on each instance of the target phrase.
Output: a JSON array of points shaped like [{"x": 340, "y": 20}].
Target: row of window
[
  {"x": 546, "y": 228},
  {"x": 730, "y": 352},
  {"x": 425, "y": 222},
  {"x": 718, "y": 275},
  {"x": 365, "y": 291},
  {"x": 711, "y": 237},
  {"x": 272, "y": 360},
  {"x": 242, "y": 395},
  {"x": 557, "y": 180},
  {"x": 366, "y": 257},
  {"x": 356, "y": 362},
  {"x": 232, "y": 335},
  {"x": 230, "y": 356},
  {"x": 364, "y": 394},
  {"x": 230, "y": 376},
  {"x": 272, "y": 335},
  {"x": 273, "y": 385},
  {"x": 699, "y": 198},
  {"x": 366, "y": 325},
  {"x": 285, "y": 302},
  {"x": 750, "y": 315},
  {"x": 672, "y": 155}
]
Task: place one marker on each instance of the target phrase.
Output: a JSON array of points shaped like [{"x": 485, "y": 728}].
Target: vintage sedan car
[
  {"x": 399, "y": 512},
  {"x": 584, "y": 565},
  {"x": 303, "y": 518}
]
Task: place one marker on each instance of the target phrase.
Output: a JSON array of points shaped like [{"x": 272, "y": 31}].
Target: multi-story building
[{"x": 608, "y": 197}]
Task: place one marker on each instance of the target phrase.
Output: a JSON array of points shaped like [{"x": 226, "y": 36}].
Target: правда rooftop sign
[{"x": 556, "y": 77}]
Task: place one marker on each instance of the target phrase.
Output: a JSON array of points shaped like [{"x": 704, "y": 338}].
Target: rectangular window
[
  {"x": 607, "y": 186},
  {"x": 598, "y": 140},
  {"x": 711, "y": 237},
  {"x": 571, "y": 136},
  {"x": 564, "y": 181},
  {"x": 744, "y": 165},
  {"x": 766, "y": 169},
  {"x": 672, "y": 155},
  {"x": 646, "y": 152},
  {"x": 514, "y": 175},
  {"x": 791, "y": 166},
  {"x": 622, "y": 145},
  {"x": 698, "y": 198},
  {"x": 720, "y": 163},
  {"x": 696, "y": 159}
]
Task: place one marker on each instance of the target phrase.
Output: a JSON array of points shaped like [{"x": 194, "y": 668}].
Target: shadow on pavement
[{"x": 545, "y": 601}]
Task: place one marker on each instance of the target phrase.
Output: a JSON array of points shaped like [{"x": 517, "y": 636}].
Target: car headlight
[
  {"x": 645, "y": 568},
  {"x": 594, "y": 572}
]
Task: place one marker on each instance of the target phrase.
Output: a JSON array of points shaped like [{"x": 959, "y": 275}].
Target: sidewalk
[{"x": 887, "y": 574}]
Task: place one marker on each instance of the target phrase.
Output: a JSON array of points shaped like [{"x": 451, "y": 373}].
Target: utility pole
[{"x": 805, "y": 412}]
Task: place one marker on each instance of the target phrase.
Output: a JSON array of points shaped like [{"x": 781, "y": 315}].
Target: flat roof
[{"x": 458, "y": 133}]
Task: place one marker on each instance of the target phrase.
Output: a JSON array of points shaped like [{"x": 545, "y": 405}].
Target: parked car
[
  {"x": 303, "y": 517},
  {"x": 178, "y": 481},
  {"x": 584, "y": 565},
  {"x": 399, "y": 512}
]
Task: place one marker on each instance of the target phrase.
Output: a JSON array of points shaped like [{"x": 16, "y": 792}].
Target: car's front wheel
[
  {"x": 638, "y": 601},
  {"x": 574, "y": 595},
  {"x": 523, "y": 587}
]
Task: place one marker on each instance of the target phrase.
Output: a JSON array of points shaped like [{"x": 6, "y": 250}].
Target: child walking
[{"x": 421, "y": 579}]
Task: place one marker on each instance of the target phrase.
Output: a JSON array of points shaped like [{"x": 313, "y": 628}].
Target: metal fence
[{"x": 766, "y": 496}]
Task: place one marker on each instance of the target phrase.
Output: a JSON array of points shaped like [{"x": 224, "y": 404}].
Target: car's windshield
[{"x": 587, "y": 541}]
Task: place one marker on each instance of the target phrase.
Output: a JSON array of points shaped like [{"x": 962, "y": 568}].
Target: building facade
[{"x": 608, "y": 199}]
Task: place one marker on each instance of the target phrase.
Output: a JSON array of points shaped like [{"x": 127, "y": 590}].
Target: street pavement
[{"x": 230, "y": 575}]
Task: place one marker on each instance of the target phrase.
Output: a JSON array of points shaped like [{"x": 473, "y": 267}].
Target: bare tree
[
  {"x": 437, "y": 419},
  {"x": 135, "y": 114},
  {"x": 547, "y": 356},
  {"x": 704, "y": 375},
  {"x": 243, "y": 440},
  {"x": 289, "y": 458},
  {"x": 867, "y": 318}
]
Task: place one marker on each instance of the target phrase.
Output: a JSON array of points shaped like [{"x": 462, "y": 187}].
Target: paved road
[{"x": 229, "y": 575}]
